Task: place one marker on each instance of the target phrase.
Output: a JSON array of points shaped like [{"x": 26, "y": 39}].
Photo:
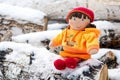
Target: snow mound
[
  {"x": 24, "y": 57},
  {"x": 36, "y": 37},
  {"x": 57, "y": 26},
  {"x": 104, "y": 25}
]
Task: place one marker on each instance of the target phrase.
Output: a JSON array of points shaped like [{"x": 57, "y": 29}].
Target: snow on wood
[
  {"x": 28, "y": 62},
  {"x": 25, "y": 20},
  {"x": 36, "y": 38},
  {"x": 57, "y": 26},
  {"x": 21, "y": 14}
]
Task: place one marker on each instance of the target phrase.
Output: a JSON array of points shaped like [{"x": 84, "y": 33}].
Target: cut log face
[{"x": 109, "y": 59}]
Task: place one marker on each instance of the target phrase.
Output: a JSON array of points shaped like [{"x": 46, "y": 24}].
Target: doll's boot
[
  {"x": 71, "y": 63},
  {"x": 59, "y": 64}
]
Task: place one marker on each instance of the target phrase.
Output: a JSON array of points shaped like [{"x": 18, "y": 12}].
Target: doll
[{"x": 79, "y": 40}]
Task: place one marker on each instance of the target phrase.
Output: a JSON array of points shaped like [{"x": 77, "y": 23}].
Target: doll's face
[{"x": 79, "y": 23}]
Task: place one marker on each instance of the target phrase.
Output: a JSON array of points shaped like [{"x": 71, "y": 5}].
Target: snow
[
  {"x": 21, "y": 14},
  {"x": 91, "y": 62},
  {"x": 21, "y": 53},
  {"x": 16, "y": 31},
  {"x": 43, "y": 61},
  {"x": 114, "y": 74},
  {"x": 20, "y": 56},
  {"x": 56, "y": 26},
  {"x": 104, "y": 25},
  {"x": 36, "y": 37}
]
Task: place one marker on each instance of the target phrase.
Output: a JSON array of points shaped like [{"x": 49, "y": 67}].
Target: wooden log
[
  {"x": 104, "y": 73},
  {"x": 109, "y": 59},
  {"x": 45, "y": 23},
  {"x": 5, "y": 35}
]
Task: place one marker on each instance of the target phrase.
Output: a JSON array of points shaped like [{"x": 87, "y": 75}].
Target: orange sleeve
[
  {"x": 57, "y": 41},
  {"x": 92, "y": 41}
]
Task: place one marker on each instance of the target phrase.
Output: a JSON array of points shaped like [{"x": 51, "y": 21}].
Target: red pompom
[
  {"x": 59, "y": 64},
  {"x": 71, "y": 63}
]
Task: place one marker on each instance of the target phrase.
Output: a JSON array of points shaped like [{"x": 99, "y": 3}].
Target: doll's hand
[
  {"x": 93, "y": 51},
  {"x": 51, "y": 44}
]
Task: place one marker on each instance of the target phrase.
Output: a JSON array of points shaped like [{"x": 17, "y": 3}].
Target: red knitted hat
[{"x": 83, "y": 10}]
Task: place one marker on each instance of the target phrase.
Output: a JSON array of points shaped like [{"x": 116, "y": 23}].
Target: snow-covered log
[
  {"x": 25, "y": 20},
  {"x": 30, "y": 63},
  {"x": 37, "y": 39}
]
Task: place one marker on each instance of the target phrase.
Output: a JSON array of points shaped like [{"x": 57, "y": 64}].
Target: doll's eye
[
  {"x": 74, "y": 18},
  {"x": 82, "y": 19}
]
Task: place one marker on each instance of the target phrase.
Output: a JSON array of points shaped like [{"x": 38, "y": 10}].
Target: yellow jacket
[{"x": 77, "y": 43}]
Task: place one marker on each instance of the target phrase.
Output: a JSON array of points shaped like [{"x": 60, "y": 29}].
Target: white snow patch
[
  {"x": 16, "y": 31},
  {"x": 56, "y": 26},
  {"x": 104, "y": 25},
  {"x": 114, "y": 74},
  {"x": 36, "y": 37}
]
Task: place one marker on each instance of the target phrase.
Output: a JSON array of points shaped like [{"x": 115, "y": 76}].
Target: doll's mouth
[{"x": 78, "y": 27}]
